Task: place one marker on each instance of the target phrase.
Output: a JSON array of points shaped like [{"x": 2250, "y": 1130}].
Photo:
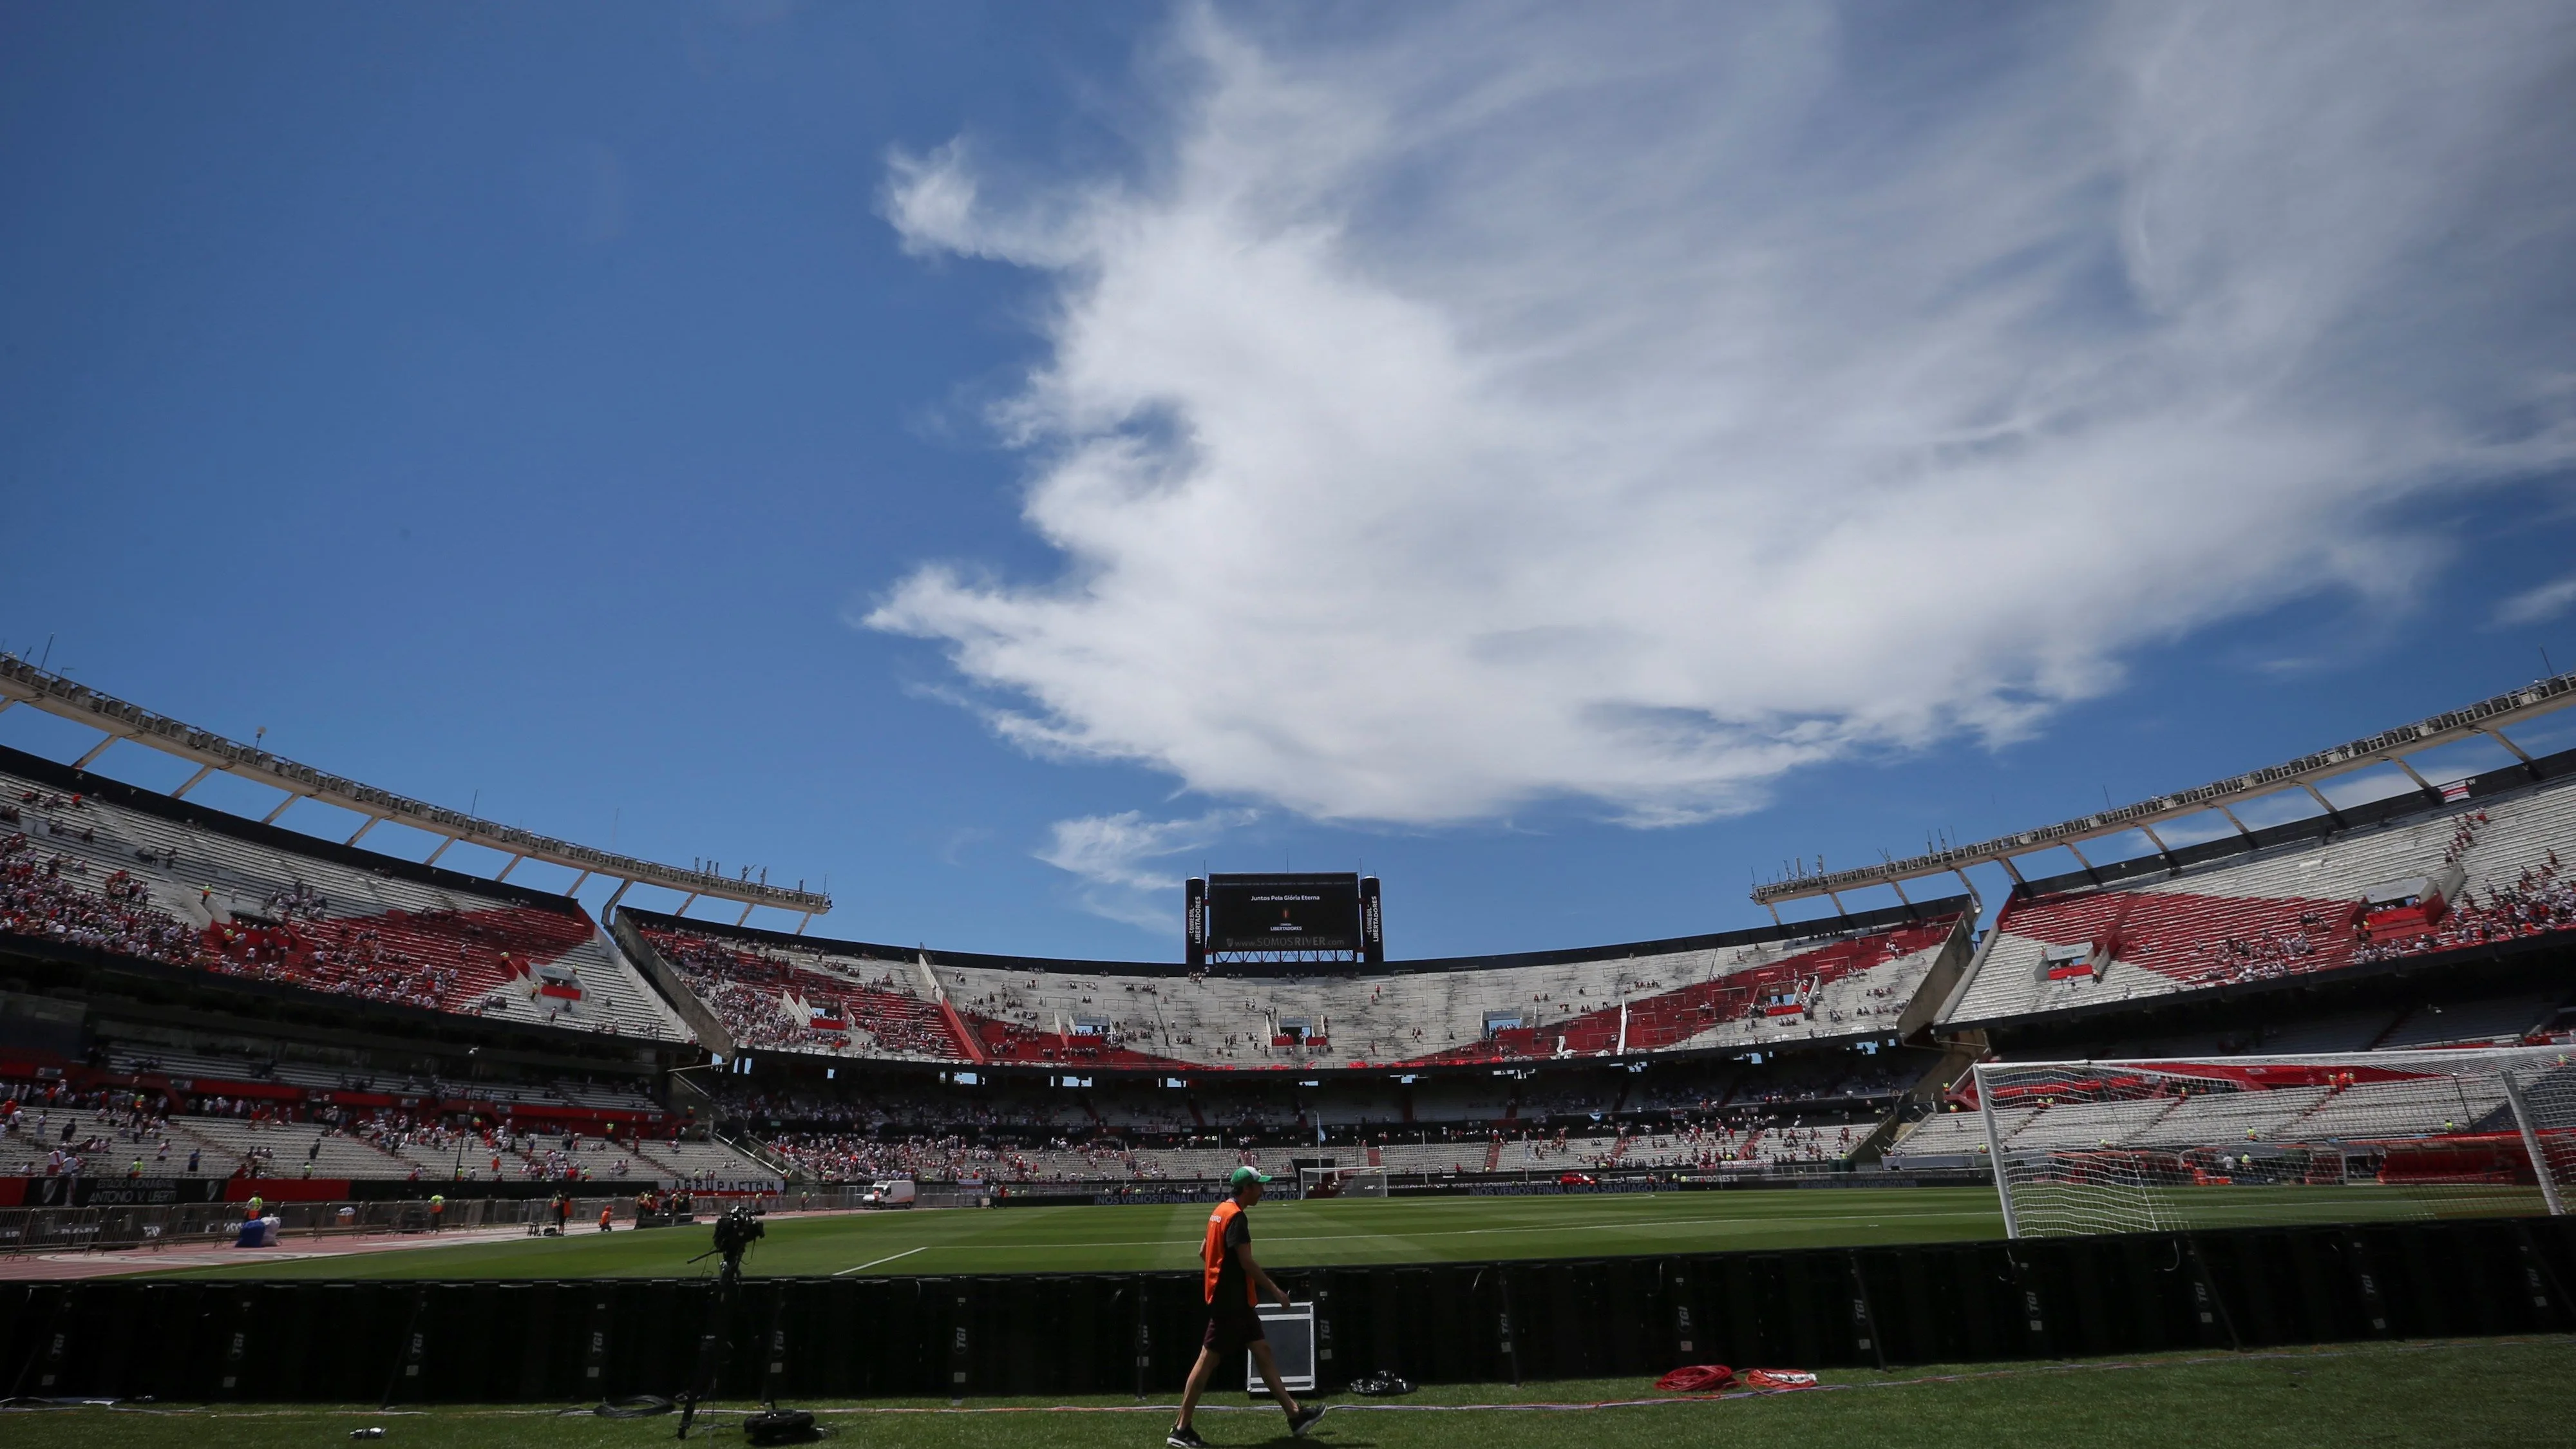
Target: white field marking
[
  {"x": 890, "y": 1257},
  {"x": 1639, "y": 1228}
]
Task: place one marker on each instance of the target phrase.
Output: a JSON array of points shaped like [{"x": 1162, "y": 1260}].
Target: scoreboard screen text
[{"x": 1283, "y": 913}]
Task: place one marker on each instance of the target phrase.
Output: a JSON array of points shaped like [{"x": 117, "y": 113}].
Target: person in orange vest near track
[{"x": 1228, "y": 1281}]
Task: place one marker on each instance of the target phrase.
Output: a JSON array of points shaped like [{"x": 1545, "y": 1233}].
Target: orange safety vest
[{"x": 1212, "y": 1252}]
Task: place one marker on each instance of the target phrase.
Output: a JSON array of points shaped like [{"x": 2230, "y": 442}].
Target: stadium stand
[
  {"x": 853, "y": 1157},
  {"x": 1832, "y": 980},
  {"x": 1692, "y": 1113},
  {"x": 2250, "y": 1110},
  {"x": 86, "y": 863},
  {"x": 47, "y": 1132},
  {"x": 717, "y": 1056},
  {"x": 2420, "y": 881},
  {"x": 773, "y": 997}
]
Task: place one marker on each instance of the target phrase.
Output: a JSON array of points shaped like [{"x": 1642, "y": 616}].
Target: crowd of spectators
[
  {"x": 442, "y": 961},
  {"x": 847, "y": 1157},
  {"x": 769, "y": 1003},
  {"x": 2314, "y": 940},
  {"x": 163, "y": 1130},
  {"x": 1719, "y": 1142},
  {"x": 1011, "y": 1028},
  {"x": 2309, "y": 944},
  {"x": 357, "y": 958},
  {"x": 883, "y": 1107},
  {"x": 1027, "y": 1130},
  {"x": 445, "y": 960},
  {"x": 2538, "y": 902},
  {"x": 45, "y": 896}
]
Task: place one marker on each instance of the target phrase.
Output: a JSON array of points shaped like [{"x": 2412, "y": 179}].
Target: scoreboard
[{"x": 1309, "y": 915}]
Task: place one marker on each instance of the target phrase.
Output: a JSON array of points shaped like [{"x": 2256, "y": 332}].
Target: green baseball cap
[{"x": 1241, "y": 1176}]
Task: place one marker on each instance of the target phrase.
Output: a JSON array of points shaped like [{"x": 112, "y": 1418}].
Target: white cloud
[
  {"x": 2540, "y": 605},
  {"x": 1114, "y": 855},
  {"x": 1634, "y": 406}
]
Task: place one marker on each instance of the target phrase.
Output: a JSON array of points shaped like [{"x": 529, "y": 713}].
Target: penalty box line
[{"x": 888, "y": 1258}]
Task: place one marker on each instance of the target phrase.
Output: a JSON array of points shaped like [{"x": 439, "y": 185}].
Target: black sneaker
[
  {"x": 1185, "y": 1439},
  {"x": 1304, "y": 1419}
]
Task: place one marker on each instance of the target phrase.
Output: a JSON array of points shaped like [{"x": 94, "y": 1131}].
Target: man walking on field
[{"x": 1232, "y": 1325}]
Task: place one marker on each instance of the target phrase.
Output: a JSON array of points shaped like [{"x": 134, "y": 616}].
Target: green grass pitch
[
  {"x": 1134, "y": 1238},
  {"x": 2494, "y": 1392},
  {"x": 1314, "y": 1234}
]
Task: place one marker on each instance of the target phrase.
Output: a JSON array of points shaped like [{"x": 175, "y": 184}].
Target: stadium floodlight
[
  {"x": 1330, "y": 1182},
  {"x": 2144, "y": 1146}
]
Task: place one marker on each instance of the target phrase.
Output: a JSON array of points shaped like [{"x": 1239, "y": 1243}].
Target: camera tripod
[{"x": 772, "y": 1425}]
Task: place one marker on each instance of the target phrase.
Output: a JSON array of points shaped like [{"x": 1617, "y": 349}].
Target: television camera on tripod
[{"x": 736, "y": 1229}]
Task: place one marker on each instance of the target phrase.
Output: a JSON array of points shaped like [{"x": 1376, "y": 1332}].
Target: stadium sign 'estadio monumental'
[{"x": 1327, "y": 915}]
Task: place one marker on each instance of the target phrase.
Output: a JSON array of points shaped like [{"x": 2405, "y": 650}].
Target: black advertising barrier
[
  {"x": 79, "y": 1191},
  {"x": 976, "y": 1337}
]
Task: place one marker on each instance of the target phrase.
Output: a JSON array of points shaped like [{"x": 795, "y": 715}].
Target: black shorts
[{"x": 1232, "y": 1330}]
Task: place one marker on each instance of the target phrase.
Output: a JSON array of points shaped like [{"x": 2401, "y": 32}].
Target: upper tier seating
[
  {"x": 843, "y": 999},
  {"x": 808, "y": 999},
  {"x": 2284, "y": 911},
  {"x": 1694, "y": 1000},
  {"x": 86, "y": 871}
]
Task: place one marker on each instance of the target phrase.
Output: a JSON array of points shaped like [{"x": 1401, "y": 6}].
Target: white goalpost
[
  {"x": 1329, "y": 1182},
  {"x": 2145, "y": 1146}
]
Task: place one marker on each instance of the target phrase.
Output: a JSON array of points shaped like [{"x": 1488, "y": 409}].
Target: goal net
[
  {"x": 1315, "y": 1182},
  {"x": 2143, "y": 1146}
]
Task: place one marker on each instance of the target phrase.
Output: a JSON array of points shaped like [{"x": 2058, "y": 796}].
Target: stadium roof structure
[
  {"x": 24, "y": 683},
  {"x": 2487, "y": 717}
]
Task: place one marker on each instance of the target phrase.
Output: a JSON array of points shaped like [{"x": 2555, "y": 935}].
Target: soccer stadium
[
  {"x": 1847, "y": 723},
  {"x": 458, "y": 1141}
]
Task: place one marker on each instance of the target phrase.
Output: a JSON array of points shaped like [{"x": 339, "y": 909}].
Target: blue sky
[{"x": 1001, "y": 459}]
